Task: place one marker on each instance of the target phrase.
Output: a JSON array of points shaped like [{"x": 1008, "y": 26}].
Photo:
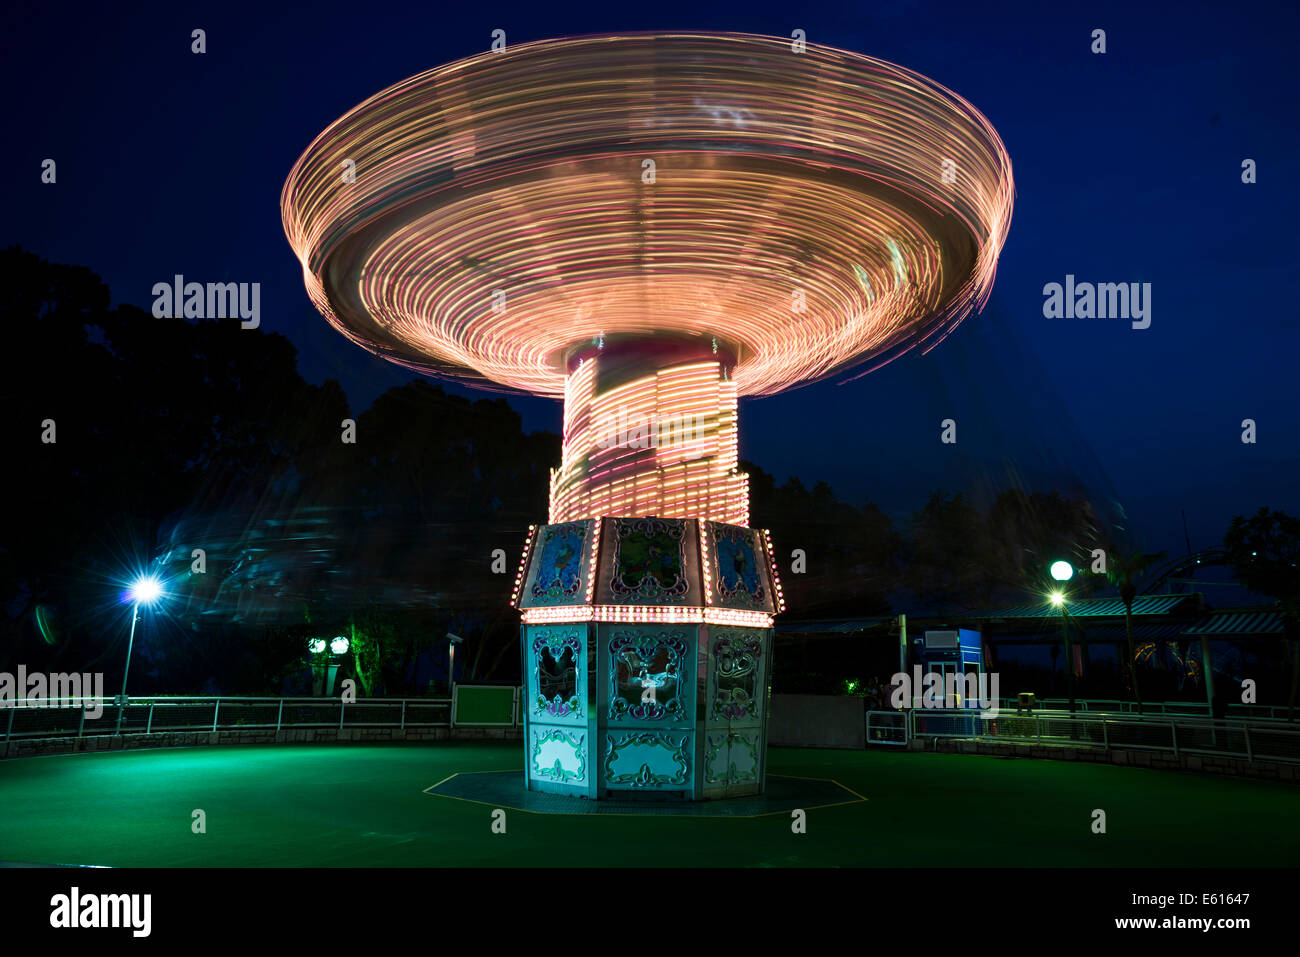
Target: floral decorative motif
[
  {"x": 555, "y": 644},
  {"x": 728, "y": 742},
  {"x": 740, "y": 581},
  {"x": 645, "y": 776},
  {"x": 559, "y": 562},
  {"x": 735, "y": 675},
  {"x": 649, "y": 563},
  {"x": 639, "y": 652},
  {"x": 557, "y": 771}
]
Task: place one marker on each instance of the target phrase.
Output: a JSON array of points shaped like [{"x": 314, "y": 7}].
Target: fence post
[
  {"x": 13, "y": 706},
  {"x": 342, "y": 710},
  {"x": 1250, "y": 755},
  {"x": 148, "y": 725},
  {"x": 279, "y": 716},
  {"x": 1174, "y": 729},
  {"x": 81, "y": 725},
  {"x": 216, "y": 710},
  {"x": 402, "y": 724},
  {"x": 1105, "y": 735}
]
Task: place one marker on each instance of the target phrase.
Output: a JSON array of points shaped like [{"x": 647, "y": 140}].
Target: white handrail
[{"x": 164, "y": 713}]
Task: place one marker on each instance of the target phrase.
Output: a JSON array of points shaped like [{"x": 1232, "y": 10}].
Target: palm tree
[{"x": 1124, "y": 571}]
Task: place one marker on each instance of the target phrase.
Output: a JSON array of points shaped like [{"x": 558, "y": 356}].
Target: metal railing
[
  {"x": 1114, "y": 706},
  {"x": 1249, "y": 740},
  {"x": 887, "y": 727},
  {"x": 163, "y": 714}
]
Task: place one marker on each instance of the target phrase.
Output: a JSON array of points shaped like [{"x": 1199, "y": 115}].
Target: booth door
[
  {"x": 648, "y": 708},
  {"x": 734, "y": 748}
]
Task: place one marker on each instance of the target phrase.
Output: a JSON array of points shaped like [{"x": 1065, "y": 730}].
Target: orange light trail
[{"x": 810, "y": 211}]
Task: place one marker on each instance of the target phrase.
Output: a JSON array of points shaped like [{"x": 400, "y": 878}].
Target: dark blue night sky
[{"x": 1127, "y": 167}]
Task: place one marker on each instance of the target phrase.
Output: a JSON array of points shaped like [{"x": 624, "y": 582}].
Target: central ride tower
[{"x": 647, "y": 600}]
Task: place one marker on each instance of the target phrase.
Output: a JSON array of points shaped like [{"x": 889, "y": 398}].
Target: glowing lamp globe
[
  {"x": 650, "y": 226},
  {"x": 146, "y": 590},
  {"x": 316, "y": 646},
  {"x": 339, "y": 646},
  {"x": 1062, "y": 571}
]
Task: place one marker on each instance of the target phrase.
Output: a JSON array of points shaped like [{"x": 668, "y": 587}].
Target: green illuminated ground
[{"x": 366, "y": 806}]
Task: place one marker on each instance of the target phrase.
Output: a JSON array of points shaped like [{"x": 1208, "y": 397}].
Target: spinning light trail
[{"x": 489, "y": 218}]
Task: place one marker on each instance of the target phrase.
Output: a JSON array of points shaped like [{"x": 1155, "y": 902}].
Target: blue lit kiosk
[{"x": 647, "y": 650}]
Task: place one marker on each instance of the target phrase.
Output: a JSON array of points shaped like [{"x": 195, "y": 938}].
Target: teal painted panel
[
  {"x": 732, "y": 758},
  {"x": 557, "y": 673},
  {"x": 650, "y": 675},
  {"x": 737, "y": 675},
  {"x": 557, "y": 755},
  {"x": 648, "y": 760}
]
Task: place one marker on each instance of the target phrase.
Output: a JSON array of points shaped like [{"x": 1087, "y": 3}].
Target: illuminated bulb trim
[
  {"x": 692, "y": 614},
  {"x": 594, "y": 560},
  {"x": 523, "y": 566},
  {"x": 705, "y": 562},
  {"x": 776, "y": 577}
]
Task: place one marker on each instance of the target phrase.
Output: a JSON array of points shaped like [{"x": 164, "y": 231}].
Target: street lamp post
[
  {"x": 146, "y": 591},
  {"x": 338, "y": 648},
  {"x": 452, "y": 642},
  {"x": 1063, "y": 572},
  {"x": 326, "y": 659}
]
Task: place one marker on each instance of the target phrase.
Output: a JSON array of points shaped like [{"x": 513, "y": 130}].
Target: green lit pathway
[{"x": 366, "y": 806}]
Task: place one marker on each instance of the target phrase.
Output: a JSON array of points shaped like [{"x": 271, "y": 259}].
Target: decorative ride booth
[{"x": 647, "y": 647}]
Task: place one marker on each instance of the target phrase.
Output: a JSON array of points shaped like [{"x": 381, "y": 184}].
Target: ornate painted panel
[
  {"x": 736, "y": 675},
  {"x": 649, "y": 561},
  {"x": 647, "y": 706},
  {"x": 556, "y": 656},
  {"x": 559, "y": 565},
  {"x": 650, "y": 674},
  {"x": 732, "y": 758},
  {"x": 648, "y": 760},
  {"x": 738, "y": 568},
  {"x": 558, "y": 755}
]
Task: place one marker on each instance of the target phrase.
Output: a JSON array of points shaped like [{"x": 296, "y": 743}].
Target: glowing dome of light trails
[{"x": 493, "y": 218}]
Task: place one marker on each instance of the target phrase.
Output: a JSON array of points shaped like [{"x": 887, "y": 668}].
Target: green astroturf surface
[{"x": 365, "y": 806}]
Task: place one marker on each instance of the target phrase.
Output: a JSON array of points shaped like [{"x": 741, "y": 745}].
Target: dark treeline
[
  {"x": 950, "y": 556},
  {"x": 171, "y": 435}
]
